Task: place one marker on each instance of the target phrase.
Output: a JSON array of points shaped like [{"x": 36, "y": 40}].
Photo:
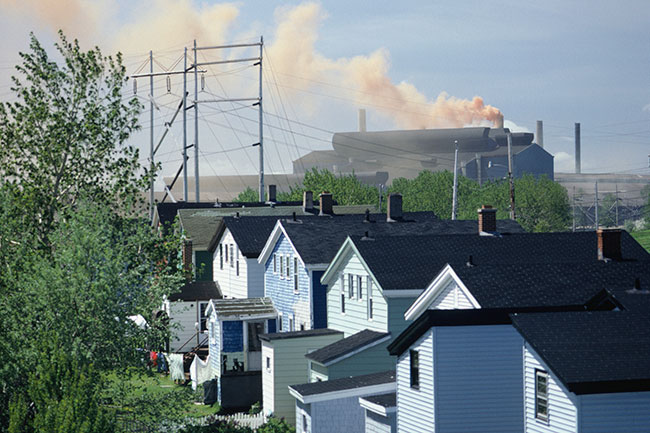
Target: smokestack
[
  {"x": 539, "y": 134},
  {"x": 394, "y": 208},
  {"x": 307, "y": 200},
  {"x": 577, "y": 134},
  {"x": 272, "y": 193},
  {"x": 326, "y": 205},
  {"x": 609, "y": 244},
  {"x": 487, "y": 219},
  {"x": 498, "y": 122},
  {"x": 362, "y": 120}
]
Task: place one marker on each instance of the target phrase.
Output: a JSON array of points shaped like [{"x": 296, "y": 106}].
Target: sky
[{"x": 410, "y": 64}]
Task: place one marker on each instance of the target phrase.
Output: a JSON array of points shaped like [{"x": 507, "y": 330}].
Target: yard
[{"x": 642, "y": 237}]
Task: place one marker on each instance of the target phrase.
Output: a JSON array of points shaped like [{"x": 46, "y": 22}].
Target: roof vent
[
  {"x": 609, "y": 244},
  {"x": 470, "y": 262},
  {"x": 294, "y": 216},
  {"x": 367, "y": 217},
  {"x": 367, "y": 237},
  {"x": 237, "y": 214},
  {"x": 326, "y": 204},
  {"x": 394, "y": 208},
  {"x": 272, "y": 193}
]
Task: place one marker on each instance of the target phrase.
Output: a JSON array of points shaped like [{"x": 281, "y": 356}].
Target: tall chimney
[
  {"x": 326, "y": 205},
  {"x": 187, "y": 258},
  {"x": 362, "y": 120},
  {"x": 609, "y": 244},
  {"x": 487, "y": 219},
  {"x": 272, "y": 193},
  {"x": 307, "y": 200},
  {"x": 498, "y": 123},
  {"x": 539, "y": 134},
  {"x": 394, "y": 208},
  {"x": 577, "y": 134}
]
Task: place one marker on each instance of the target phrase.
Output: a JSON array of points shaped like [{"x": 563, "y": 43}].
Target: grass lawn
[{"x": 642, "y": 237}]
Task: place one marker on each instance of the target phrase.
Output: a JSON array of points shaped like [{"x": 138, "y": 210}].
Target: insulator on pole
[
  {"x": 169, "y": 84},
  {"x": 135, "y": 86},
  {"x": 203, "y": 82}
]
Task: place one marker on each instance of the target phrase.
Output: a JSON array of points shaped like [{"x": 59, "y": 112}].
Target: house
[
  {"x": 459, "y": 364},
  {"x": 493, "y": 165},
  {"x": 586, "y": 371},
  {"x": 187, "y": 312},
  {"x": 299, "y": 251},
  {"x": 235, "y": 349},
  {"x": 333, "y": 405},
  {"x": 283, "y": 364},
  {"x": 381, "y": 413}
]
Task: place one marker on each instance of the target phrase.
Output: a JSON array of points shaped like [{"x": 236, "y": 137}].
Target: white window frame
[
  {"x": 237, "y": 262},
  {"x": 414, "y": 355},
  {"x": 232, "y": 256},
  {"x": 292, "y": 322},
  {"x": 541, "y": 397},
  {"x": 360, "y": 287},
  {"x": 279, "y": 323},
  {"x": 295, "y": 275},
  {"x": 287, "y": 267},
  {"x": 351, "y": 286},
  {"x": 342, "y": 281},
  {"x": 281, "y": 267},
  {"x": 275, "y": 263},
  {"x": 268, "y": 364},
  {"x": 221, "y": 256},
  {"x": 226, "y": 256},
  {"x": 370, "y": 302}
]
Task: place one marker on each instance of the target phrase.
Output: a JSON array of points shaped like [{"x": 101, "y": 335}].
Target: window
[
  {"x": 369, "y": 286},
  {"x": 220, "y": 256},
  {"x": 232, "y": 255},
  {"x": 304, "y": 423},
  {"x": 237, "y": 263},
  {"x": 281, "y": 267},
  {"x": 268, "y": 363},
  {"x": 342, "y": 281},
  {"x": 275, "y": 263},
  {"x": 203, "y": 319},
  {"x": 351, "y": 286},
  {"x": 255, "y": 329},
  {"x": 291, "y": 323},
  {"x": 287, "y": 268},
  {"x": 415, "y": 369},
  {"x": 359, "y": 287},
  {"x": 280, "y": 322},
  {"x": 226, "y": 256},
  {"x": 295, "y": 274},
  {"x": 302, "y": 326},
  {"x": 541, "y": 395}
]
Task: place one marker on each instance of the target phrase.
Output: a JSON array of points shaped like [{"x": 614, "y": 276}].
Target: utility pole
[
  {"x": 196, "y": 129},
  {"x": 151, "y": 151},
  {"x": 479, "y": 168},
  {"x": 185, "y": 197},
  {"x": 510, "y": 180},
  {"x": 261, "y": 126},
  {"x": 596, "y": 214},
  {"x": 454, "y": 198}
]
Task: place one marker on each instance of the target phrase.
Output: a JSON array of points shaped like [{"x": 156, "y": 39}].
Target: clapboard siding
[
  {"x": 415, "y": 411},
  {"x": 255, "y": 278},
  {"x": 478, "y": 380},
  {"x": 396, "y": 309},
  {"x": 303, "y": 416},
  {"x": 185, "y": 315},
  {"x": 231, "y": 284},
  {"x": 215, "y": 343},
  {"x": 268, "y": 378},
  {"x": 355, "y": 318},
  {"x": 281, "y": 289},
  {"x": 289, "y": 367},
  {"x": 339, "y": 415},
  {"x": 376, "y": 423},
  {"x": 562, "y": 408},
  {"x": 451, "y": 297},
  {"x": 627, "y": 412},
  {"x": 371, "y": 360}
]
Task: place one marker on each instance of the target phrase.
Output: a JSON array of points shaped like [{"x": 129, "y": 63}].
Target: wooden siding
[
  {"x": 355, "y": 318},
  {"x": 478, "y": 385},
  {"x": 376, "y": 423},
  {"x": 255, "y": 278},
  {"x": 281, "y": 291},
  {"x": 627, "y": 412},
  {"x": 396, "y": 309},
  {"x": 317, "y": 372},
  {"x": 215, "y": 344},
  {"x": 450, "y": 298},
  {"x": 184, "y": 314},
  {"x": 562, "y": 405},
  {"x": 290, "y": 367},
  {"x": 415, "y": 411},
  {"x": 268, "y": 379},
  {"x": 339, "y": 415},
  {"x": 371, "y": 360},
  {"x": 231, "y": 284},
  {"x": 302, "y": 410}
]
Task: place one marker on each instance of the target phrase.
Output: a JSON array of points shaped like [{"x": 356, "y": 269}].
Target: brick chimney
[
  {"x": 307, "y": 200},
  {"x": 394, "y": 208},
  {"x": 609, "y": 244},
  {"x": 326, "y": 204},
  {"x": 487, "y": 219},
  {"x": 272, "y": 193},
  {"x": 187, "y": 258}
]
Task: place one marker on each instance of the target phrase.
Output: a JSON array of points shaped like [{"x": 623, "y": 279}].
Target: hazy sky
[{"x": 557, "y": 61}]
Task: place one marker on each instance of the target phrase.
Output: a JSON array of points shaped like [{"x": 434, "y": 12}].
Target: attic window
[
  {"x": 415, "y": 368},
  {"x": 220, "y": 256},
  {"x": 360, "y": 286},
  {"x": 541, "y": 395},
  {"x": 342, "y": 283},
  {"x": 350, "y": 286},
  {"x": 275, "y": 263}
]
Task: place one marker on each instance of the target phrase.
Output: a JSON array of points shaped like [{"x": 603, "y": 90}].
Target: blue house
[{"x": 381, "y": 412}]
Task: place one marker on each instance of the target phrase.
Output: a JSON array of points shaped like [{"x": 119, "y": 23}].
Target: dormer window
[{"x": 350, "y": 286}]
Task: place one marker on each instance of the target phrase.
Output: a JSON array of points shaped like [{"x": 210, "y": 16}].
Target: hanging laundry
[
  {"x": 175, "y": 361},
  {"x": 162, "y": 363},
  {"x": 200, "y": 371},
  {"x": 153, "y": 358}
]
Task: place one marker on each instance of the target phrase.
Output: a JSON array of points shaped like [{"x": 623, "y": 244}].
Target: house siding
[
  {"x": 355, "y": 318},
  {"x": 451, "y": 297},
  {"x": 303, "y": 409},
  {"x": 231, "y": 284},
  {"x": 478, "y": 379},
  {"x": 319, "y": 300},
  {"x": 185, "y": 315},
  {"x": 562, "y": 406},
  {"x": 376, "y": 423},
  {"x": 339, "y": 415},
  {"x": 288, "y": 303},
  {"x": 288, "y": 367},
  {"x": 214, "y": 327},
  {"x": 415, "y": 411},
  {"x": 371, "y": 360},
  {"x": 255, "y": 278},
  {"x": 317, "y": 372},
  {"x": 396, "y": 309},
  {"x": 627, "y": 412}
]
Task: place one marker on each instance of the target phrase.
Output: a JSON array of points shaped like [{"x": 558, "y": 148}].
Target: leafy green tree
[
  {"x": 541, "y": 204},
  {"x": 607, "y": 210},
  {"x": 64, "y": 136}
]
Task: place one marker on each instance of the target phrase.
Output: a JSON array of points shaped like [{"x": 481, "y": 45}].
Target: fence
[{"x": 244, "y": 419}]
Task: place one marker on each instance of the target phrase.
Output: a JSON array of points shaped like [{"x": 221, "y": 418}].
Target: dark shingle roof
[
  {"x": 197, "y": 291},
  {"x": 345, "y": 383},
  {"x": 318, "y": 240},
  {"x": 298, "y": 334},
  {"x": 358, "y": 341},
  {"x": 414, "y": 261},
  {"x": 592, "y": 352},
  {"x": 384, "y": 400}
]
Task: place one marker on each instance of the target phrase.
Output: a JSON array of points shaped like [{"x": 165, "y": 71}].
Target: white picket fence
[{"x": 244, "y": 419}]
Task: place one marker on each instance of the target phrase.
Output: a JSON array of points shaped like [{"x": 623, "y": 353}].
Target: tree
[{"x": 64, "y": 136}]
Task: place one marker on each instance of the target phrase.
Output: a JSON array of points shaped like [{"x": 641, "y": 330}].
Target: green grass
[{"x": 642, "y": 237}]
